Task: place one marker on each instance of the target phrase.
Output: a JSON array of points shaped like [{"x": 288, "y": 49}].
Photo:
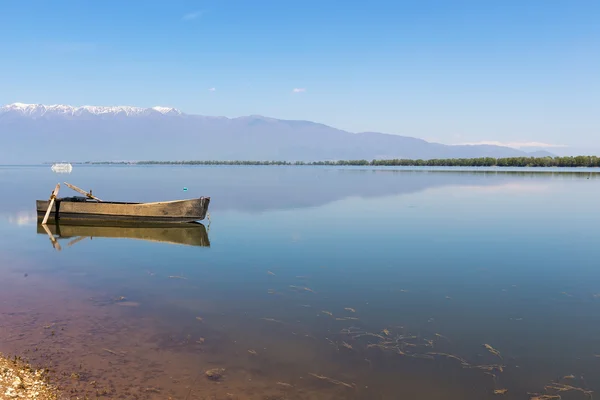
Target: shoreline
[
  {"x": 580, "y": 161},
  {"x": 18, "y": 380}
]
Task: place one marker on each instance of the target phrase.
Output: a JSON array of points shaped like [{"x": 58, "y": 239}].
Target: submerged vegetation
[
  {"x": 577, "y": 161},
  {"x": 341, "y": 343}
]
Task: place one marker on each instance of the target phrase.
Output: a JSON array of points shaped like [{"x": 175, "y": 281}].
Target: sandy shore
[{"x": 19, "y": 381}]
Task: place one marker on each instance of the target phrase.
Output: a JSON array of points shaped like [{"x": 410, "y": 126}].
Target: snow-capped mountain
[
  {"x": 41, "y": 110},
  {"x": 31, "y": 133}
]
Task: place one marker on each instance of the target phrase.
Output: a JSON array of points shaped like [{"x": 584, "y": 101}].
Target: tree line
[{"x": 571, "y": 161}]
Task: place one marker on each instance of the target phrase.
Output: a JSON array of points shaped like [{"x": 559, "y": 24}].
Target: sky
[{"x": 522, "y": 73}]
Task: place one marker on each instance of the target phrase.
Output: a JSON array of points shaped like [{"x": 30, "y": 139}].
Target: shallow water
[{"x": 341, "y": 281}]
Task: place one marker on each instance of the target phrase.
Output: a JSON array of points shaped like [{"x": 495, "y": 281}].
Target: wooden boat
[
  {"x": 90, "y": 207},
  {"x": 190, "y": 234}
]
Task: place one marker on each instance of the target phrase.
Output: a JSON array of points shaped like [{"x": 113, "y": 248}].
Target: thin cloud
[
  {"x": 298, "y": 90},
  {"x": 212, "y": 89},
  {"x": 517, "y": 145},
  {"x": 192, "y": 15}
]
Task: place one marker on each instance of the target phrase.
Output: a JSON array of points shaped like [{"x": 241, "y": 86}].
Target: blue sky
[{"x": 449, "y": 71}]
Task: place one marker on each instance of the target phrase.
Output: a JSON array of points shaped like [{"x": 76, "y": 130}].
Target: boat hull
[{"x": 178, "y": 211}]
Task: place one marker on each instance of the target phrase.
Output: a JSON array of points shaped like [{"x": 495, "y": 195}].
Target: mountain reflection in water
[{"x": 319, "y": 283}]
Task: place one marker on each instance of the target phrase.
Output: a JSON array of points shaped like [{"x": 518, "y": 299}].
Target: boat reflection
[{"x": 188, "y": 234}]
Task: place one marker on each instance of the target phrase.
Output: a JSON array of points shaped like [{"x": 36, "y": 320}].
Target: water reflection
[
  {"x": 350, "y": 284},
  {"x": 22, "y": 218},
  {"x": 190, "y": 234},
  {"x": 260, "y": 189}
]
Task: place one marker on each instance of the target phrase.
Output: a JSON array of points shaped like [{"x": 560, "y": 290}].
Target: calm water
[{"x": 311, "y": 283}]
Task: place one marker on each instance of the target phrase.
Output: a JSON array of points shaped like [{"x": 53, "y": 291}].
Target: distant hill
[
  {"x": 541, "y": 153},
  {"x": 34, "y": 133}
]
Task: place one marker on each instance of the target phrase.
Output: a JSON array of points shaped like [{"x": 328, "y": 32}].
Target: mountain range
[{"x": 35, "y": 133}]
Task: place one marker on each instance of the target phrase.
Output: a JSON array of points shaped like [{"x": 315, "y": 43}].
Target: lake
[{"x": 311, "y": 283}]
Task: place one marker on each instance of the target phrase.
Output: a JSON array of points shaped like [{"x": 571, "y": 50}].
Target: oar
[
  {"x": 55, "y": 243},
  {"x": 52, "y": 197},
  {"x": 77, "y": 239},
  {"x": 88, "y": 195}
]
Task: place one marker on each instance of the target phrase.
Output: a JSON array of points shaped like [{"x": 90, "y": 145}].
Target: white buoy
[{"x": 62, "y": 168}]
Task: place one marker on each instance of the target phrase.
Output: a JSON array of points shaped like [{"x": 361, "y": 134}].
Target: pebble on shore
[{"x": 19, "y": 381}]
